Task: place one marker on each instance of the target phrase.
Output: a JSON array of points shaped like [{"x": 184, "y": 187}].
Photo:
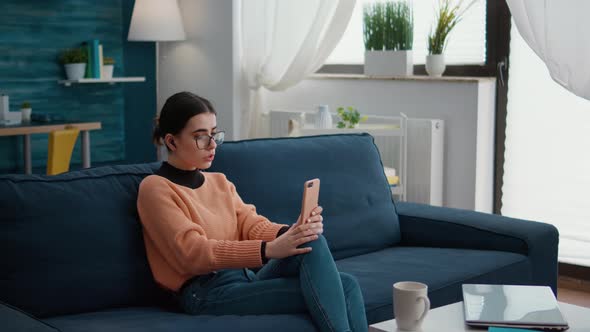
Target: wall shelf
[{"x": 102, "y": 80}]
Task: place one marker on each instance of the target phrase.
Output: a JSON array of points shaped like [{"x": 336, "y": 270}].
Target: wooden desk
[{"x": 25, "y": 129}]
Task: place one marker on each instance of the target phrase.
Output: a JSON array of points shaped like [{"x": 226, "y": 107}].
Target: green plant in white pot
[
  {"x": 388, "y": 31},
  {"x": 108, "y": 65},
  {"x": 74, "y": 61},
  {"x": 447, "y": 17},
  {"x": 25, "y": 111},
  {"x": 349, "y": 117}
]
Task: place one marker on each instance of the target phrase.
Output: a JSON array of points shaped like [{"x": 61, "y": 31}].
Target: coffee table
[{"x": 450, "y": 319}]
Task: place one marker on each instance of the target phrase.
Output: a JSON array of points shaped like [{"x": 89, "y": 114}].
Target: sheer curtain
[
  {"x": 558, "y": 31},
  {"x": 282, "y": 42},
  {"x": 547, "y": 164}
]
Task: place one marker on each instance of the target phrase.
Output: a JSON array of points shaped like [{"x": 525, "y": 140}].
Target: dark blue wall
[
  {"x": 32, "y": 34},
  {"x": 140, "y": 100}
]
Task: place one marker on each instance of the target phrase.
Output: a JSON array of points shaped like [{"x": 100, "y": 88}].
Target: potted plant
[
  {"x": 108, "y": 64},
  {"x": 25, "y": 109},
  {"x": 388, "y": 31},
  {"x": 349, "y": 117},
  {"x": 447, "y": 17},
  {"x": 74, "y": 61}
]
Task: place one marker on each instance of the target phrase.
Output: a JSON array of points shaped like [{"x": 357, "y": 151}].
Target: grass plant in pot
[
  {"x": 447, "y": 17},
  {"x": 388, "y": 32},
  {"x": 25, "y": 109},
  {"x": 107, "y": 68},
  {"x": 74, "y": 61}
]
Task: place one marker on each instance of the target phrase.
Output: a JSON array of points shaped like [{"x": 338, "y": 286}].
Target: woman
[{"x": 201, "y": 238}]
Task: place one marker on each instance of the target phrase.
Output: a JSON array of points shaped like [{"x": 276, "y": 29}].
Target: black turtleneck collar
[{"x": 191, "y": 179}]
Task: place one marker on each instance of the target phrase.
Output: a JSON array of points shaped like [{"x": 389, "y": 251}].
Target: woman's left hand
[{"x": 314, "y": 223}]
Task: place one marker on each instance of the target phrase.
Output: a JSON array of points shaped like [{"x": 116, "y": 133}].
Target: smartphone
[{"x": 311, "y": 194}]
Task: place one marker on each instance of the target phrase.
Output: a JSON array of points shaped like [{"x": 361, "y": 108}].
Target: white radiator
[
  {"x": 425, "y": 150},
  {"x": 426, "y": 139}
]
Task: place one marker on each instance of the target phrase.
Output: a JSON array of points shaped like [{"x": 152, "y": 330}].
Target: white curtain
[
  {"x": 282, "y": 42},
  {"x": 547, "y": 164},
  {"x": 559, "y": 33}
]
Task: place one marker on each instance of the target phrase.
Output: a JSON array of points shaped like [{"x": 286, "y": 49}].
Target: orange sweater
[{"x": 189, "y": 232}]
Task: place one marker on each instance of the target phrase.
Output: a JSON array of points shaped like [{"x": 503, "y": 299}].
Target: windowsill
[{"x": 462, "y": 79}]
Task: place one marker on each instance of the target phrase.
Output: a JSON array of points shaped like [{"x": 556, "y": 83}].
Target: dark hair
[{"x": 176, "y": 112}]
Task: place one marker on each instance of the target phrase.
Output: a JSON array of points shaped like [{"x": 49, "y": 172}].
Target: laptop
[{"x": 532, "y": 307}]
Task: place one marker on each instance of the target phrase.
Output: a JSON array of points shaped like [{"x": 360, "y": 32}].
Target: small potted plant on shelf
[
  {"x": 349, "y": 117},
  {"x": 74, "y": 61},
  {"x": 447, "y": 17},
  {"x": 25, "y": 109},
  {"x": 388, "y": 29},
  {"x": 108, "y": 65}
]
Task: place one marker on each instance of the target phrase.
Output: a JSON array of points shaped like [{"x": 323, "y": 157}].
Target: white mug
[{"x": 410, "y": 303}]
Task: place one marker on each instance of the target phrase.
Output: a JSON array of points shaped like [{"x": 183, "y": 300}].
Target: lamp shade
[{"x": 156, "y": 20}]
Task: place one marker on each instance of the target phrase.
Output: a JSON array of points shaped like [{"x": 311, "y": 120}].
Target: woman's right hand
[{"x": 286, "y": 244}]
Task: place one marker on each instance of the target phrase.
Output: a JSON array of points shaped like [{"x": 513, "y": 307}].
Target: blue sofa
[{"x": 73, "y": 256}]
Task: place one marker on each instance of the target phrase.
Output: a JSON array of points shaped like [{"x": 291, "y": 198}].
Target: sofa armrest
[
  {"x": 430, "y": 226},
  {"x": 14, "y": 319}
]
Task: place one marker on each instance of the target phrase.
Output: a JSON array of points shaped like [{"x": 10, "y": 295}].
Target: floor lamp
[{"x": 157, "y": 21}]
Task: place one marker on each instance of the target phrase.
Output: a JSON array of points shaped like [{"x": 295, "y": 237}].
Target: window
[
  {"x": 467, "y": 43},
  {"x": 546, "y": 164}
]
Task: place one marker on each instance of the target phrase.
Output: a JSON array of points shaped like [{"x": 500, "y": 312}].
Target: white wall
[
  {"x": 206, "y": 63},
  {"x": 457, "y": 102}
]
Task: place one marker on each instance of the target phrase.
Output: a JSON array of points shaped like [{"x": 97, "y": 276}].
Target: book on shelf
[
  {"x": 88, "y": 72},
  {"x": 95, "y": 62},
  {"x": 392, "y": 177},
  {"x": 95, "y": 59},
  {"x": 100, "y": 61},
  {"x": 393, "y": 180}
]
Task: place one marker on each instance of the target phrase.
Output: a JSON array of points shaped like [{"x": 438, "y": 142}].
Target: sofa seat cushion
[
  {"x": 14, "y": 319},
  {"x": 158, "y": 320},
  {"x": 443, "y": 270}
]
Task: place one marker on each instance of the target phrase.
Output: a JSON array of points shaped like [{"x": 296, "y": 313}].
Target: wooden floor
[{"x": 573, "y": 291}]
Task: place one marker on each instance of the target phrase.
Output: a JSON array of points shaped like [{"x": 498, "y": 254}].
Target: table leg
[
  {"x": 27, "y": 154},
  {"x": 85, "y": 149}
]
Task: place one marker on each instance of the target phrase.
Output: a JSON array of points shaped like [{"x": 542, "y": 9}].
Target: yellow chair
[{"x": 61, "y": 145}]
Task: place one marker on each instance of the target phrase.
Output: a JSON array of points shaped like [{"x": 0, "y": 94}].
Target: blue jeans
[{"x": 302, "y": 283}]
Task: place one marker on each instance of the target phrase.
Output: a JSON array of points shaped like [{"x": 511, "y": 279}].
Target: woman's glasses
[{"x": 204, "y": 141}]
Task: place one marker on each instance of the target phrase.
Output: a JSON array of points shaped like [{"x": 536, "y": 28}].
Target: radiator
[
  {"x": 425, "y": 161},
  {"x": 425, "y": 150},
  {"x": 425, "y": 156}
]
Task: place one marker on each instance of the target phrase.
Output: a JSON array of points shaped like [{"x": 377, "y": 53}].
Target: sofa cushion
[
  {"x": 157, "y": 320},
  {"x": 72, "y": 242},
  {"x": 443, "y": 270},
  {"x": 354, "y": 192},
  {"x": 14, "y": 319}
]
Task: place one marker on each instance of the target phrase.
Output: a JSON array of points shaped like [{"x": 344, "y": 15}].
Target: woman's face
[{"x": 185, "y": 153}]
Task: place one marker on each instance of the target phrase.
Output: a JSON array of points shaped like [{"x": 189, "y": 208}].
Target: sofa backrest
[
  {"x": 72, "y": 242},
  {"x": 359, "y": 213}
]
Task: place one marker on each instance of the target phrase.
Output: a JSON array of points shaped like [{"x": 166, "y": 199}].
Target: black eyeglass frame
[{"x": 218, "y": 140}]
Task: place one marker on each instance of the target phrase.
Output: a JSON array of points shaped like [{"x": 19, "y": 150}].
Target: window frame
[
  {"x": 498, "y": 25},
  {"x": 494, "y": 50}
]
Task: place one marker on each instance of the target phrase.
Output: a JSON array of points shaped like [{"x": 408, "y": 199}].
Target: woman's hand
[{"x": 300, "y": 233}]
